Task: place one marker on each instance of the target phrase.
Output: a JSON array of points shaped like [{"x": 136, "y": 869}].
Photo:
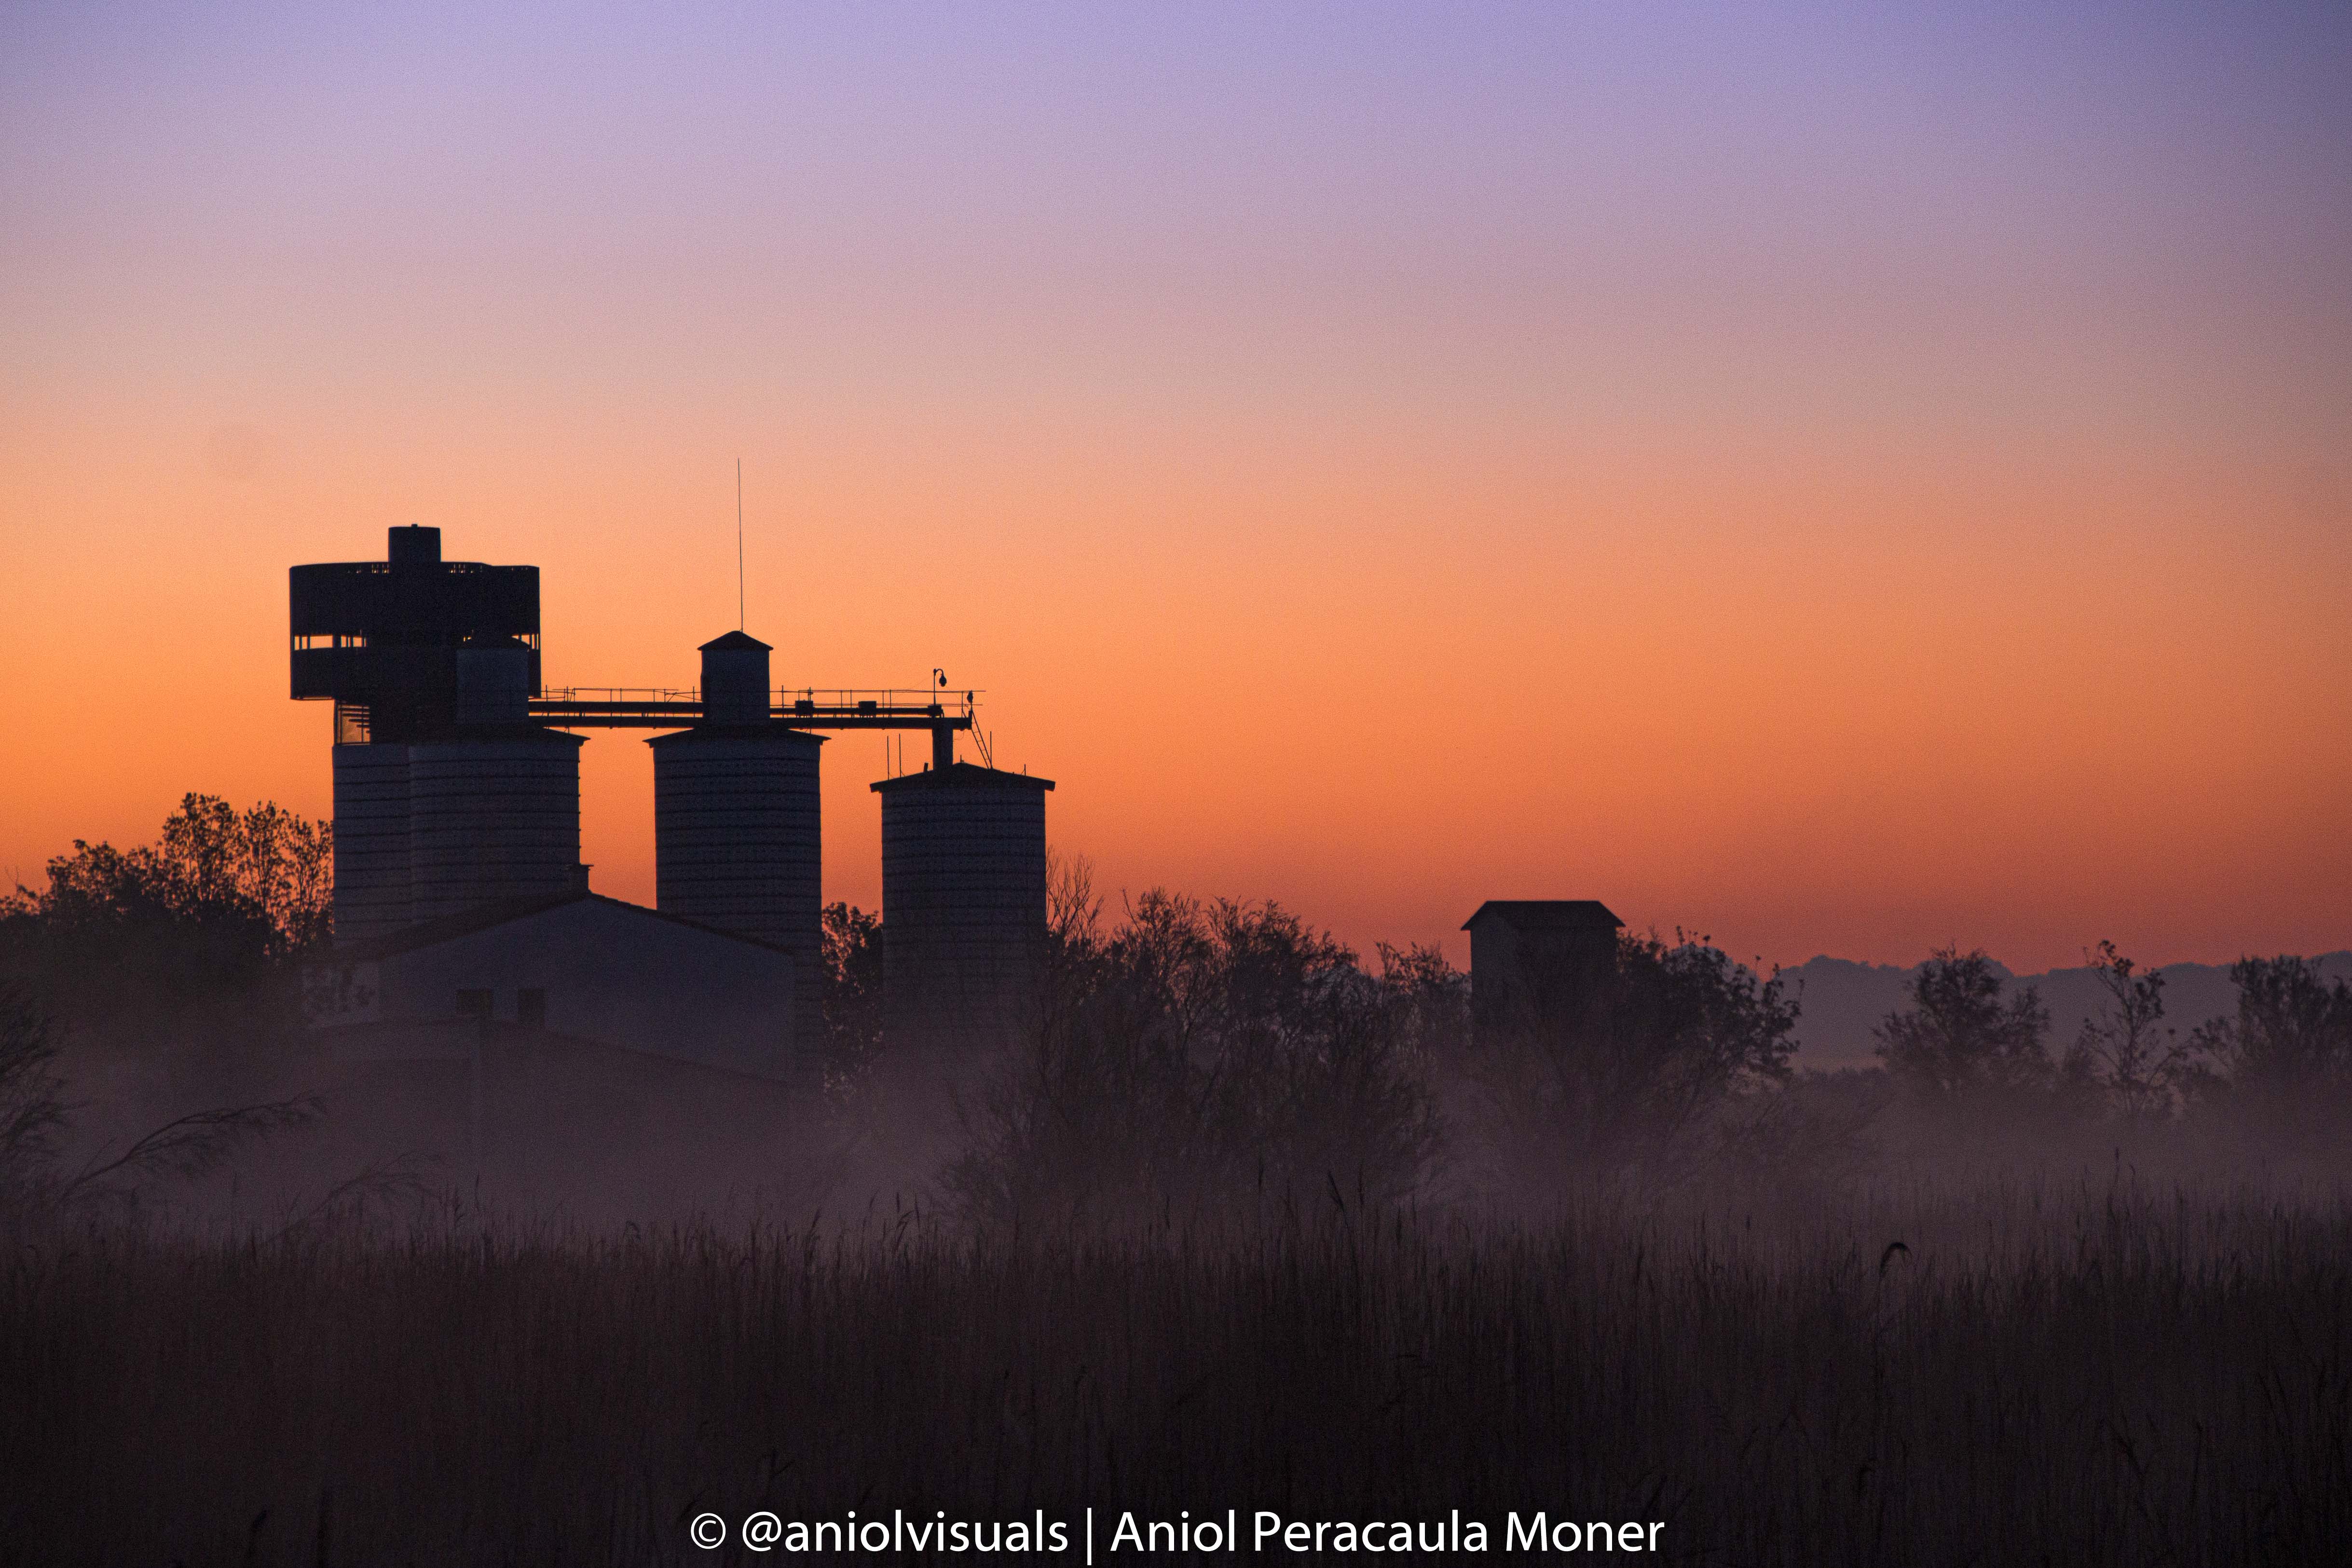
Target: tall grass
[{"x": 2093, "y": 1373}]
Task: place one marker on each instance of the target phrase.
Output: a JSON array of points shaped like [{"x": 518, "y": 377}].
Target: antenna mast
[{"x": 738, "y": 544}]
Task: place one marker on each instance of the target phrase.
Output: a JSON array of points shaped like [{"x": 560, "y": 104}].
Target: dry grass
[{"x": 2074, "y": 1375}]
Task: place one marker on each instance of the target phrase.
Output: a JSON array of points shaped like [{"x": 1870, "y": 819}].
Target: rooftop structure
[{"x": 380, "y": 638}]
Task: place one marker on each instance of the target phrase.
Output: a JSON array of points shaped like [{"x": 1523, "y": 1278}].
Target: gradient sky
[{"x": 1837, "y": 478}]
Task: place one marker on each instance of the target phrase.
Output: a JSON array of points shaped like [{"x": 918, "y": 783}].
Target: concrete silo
[
  {"x": 963, "y": 904},
  {"x": 494, "y": 800},
  {"x": 382, "y": 640},
  {"x": 738, "y": 840},
  {"x": 371, "y": 839}
]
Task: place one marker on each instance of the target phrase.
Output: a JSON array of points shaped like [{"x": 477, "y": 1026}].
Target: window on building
[
  {"x": 530, "y": 1006},
  {"x": 474, "y": 1004}
]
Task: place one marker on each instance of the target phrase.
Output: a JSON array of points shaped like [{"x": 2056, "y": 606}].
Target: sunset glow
[{"x": 1837, "y": 480}]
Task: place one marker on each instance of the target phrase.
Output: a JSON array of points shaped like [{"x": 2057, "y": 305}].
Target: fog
[{"x": 1225, "y": 1217}]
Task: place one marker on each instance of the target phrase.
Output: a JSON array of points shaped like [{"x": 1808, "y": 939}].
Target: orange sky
[{"x": 1852, "y": 550}]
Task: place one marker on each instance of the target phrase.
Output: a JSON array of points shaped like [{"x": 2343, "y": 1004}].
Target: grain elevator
[
  {"x": 456, "y": 801},
  {"x": 738, "y": 841},
  {"x": 963, "y": 902}
]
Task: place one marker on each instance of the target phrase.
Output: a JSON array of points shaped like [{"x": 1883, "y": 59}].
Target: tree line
[
  {"x": 1207, "y": 1052},
  {"x": 174, "y": 965}
]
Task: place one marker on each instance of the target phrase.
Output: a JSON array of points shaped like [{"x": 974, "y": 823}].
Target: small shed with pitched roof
[{"x": 1537, "y": 962}]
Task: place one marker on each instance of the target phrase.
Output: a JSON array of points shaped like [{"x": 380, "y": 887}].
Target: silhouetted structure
[
  {"x": 1536, "y": 963},
  {"x": 371, "y": 844},
  {"x": 738, "y": 836},
  {"x": 446, "y": 795},
  {"x": 457, "y": 795},
  {"x": 963, "y": 904},
  {"x": 380, "y": 638},
  {"x": 575, "y": 965}
]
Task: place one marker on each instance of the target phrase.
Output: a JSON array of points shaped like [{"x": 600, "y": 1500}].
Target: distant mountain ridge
[{"x": 1844, "y": 1000}]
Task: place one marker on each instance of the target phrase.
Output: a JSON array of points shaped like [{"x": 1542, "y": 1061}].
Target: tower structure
[
  {"x": 963, "y": 904},
  {"x": 738, "y": 830},
  {"x": 447, "y": 796}
]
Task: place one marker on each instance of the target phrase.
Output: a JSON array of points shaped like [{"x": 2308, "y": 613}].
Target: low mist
[{"x": 1229, "y": 1217}]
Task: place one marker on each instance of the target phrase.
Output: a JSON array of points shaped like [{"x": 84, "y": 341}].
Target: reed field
[
  {"x": 2095, "y": 1371},
  {"x": 1236, "y": 1227}
]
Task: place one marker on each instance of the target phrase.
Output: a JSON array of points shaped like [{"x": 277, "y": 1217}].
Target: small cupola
[{"x": 735, "y": 680}]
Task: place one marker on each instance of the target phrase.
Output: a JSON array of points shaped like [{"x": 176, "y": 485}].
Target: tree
[
  {"x": 1625, "y": 1077},
  {"x": 265, "y": 878},
  {"x": 1198, "y": 1053},
  {"x": 851, "y": 981},
  {"x": 1429, "y": 996},
  {"x": 32, "y": 1112},
  {"x": 2125, "y": 1049},
  {"x": 2293, "y": 1032},
  {"x": 1960, "y": 1037},
  {"x": 1313, "y": 1065},
  {"x": 197, "y": 936}
]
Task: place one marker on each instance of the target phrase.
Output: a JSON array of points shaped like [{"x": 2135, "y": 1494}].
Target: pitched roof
[
  {"x": 484, "y": 917},
  {"x": 735, "y": 640},
  {"x": 751, "y": 729},
  {"x": 962, "y": 776},
  {"x": 1547, "y": 913}
]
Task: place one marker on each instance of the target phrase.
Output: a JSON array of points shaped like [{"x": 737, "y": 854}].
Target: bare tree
[{"x": 2139, "y": 1063}]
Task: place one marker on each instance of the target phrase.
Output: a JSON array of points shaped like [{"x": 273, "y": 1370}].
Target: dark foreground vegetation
[
  {"x": 2070, "y": 1375},
  {"x": 1240, "y": 1221}
]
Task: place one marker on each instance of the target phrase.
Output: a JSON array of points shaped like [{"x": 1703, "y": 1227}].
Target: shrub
[
  {"x": 1200, "y": 1052},
  {"x": 1633, "y": 1078}
]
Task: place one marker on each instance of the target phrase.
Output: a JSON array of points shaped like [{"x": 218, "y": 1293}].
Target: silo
[
  {"x": 963, "y": 904},
  {"x": 371, "y": 839},
  {"x": 493, "y": 818},
  {"x": 494, "y": 681},
  {"x": 494, "y": 803},
  {"x": 738, "y": 834}
]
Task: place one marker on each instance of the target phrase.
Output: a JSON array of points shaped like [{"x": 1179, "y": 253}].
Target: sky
[{"x": 1839, "y": 479}]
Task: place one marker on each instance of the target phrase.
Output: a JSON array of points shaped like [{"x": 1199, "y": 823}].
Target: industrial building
[
  {"x": 575, "y": 965},
  {"x": 456, "y": 815}
]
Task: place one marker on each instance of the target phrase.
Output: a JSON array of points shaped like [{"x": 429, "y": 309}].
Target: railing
[
  {"x": 891, "y": 699},
  {"x": 809, "y": 707},
  {"x": 633, "y": 696},
  {"x": 311, "y": 641}
]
